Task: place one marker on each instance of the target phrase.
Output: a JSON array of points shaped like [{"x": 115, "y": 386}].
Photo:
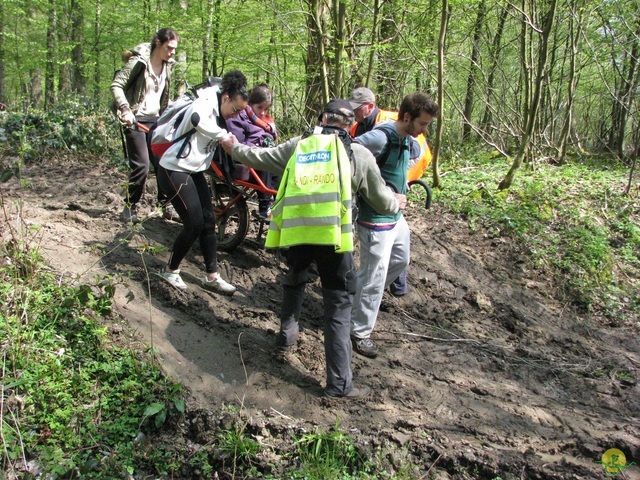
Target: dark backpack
[
  {"x": 342, "y": 134},
  {"x": 383, "y": 156}
]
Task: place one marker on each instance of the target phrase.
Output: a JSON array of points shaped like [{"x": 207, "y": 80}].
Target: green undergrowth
[
  {"x": 74, "y": 401},
  {"x": 77, "y": 400},
  {"x": 73, "y": 127},
  {"x": 78, "y": 403},
  {"x": 573, "y": 222}
]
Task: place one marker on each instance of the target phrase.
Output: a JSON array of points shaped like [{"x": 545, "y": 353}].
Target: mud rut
[{"x": 481, "y": 367}]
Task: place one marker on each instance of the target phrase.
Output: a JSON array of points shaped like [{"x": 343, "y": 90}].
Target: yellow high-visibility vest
[{"x": 313, "y": 204}]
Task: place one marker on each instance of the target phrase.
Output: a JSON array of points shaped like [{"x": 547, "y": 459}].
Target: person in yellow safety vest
[
  {"x": 368, "y": 114},
  {"x": 313, "y": 204},
  {"x": 312, "y": 177}
]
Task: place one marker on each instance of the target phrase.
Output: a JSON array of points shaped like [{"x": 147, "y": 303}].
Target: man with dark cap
[{"x": 300, "y": 209}]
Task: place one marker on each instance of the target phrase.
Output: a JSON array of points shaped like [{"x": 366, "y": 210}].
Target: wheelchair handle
[{"x": 427, "y": 188}]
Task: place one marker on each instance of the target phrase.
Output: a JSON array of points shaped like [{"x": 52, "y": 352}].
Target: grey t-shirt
[{"x": 374, "y": 140}]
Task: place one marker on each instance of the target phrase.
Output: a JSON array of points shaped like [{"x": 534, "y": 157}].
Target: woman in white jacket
[{"x": 181, "y": 176}]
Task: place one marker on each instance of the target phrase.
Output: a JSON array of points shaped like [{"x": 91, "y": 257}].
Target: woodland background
[{"x": 533, "y": 80}]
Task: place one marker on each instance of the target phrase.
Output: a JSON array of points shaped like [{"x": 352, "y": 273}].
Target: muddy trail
[{"x": 482, "y": 370}]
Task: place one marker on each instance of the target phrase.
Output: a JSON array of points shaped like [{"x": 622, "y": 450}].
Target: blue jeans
[{"x": 399, "y": 286}]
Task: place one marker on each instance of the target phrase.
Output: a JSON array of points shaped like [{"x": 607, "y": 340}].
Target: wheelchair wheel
[{"x": 232, "y": 223}]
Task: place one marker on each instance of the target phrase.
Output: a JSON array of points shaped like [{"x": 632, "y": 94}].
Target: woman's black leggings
[
  {"x": 139, "y": 158},
  {"x": 190, "y": 196}
]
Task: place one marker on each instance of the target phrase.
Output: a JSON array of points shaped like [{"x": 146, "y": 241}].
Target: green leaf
[
  {"x": 153, "y": 409},
  {"x": 160, "y": 418},
  {"x": 6, "y": 175},
  {"x": 179, "y": 404}
]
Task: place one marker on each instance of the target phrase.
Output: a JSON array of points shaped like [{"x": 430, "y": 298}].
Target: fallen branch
[
  {"x": 456, "y": 338},
  {"x": 426, "y": 475},
  {"x": 437, "y": 339},
  {"x": 242, "y": 360},
  {"x": 281, "y": 414},
  {"x": 633, "y": 360}
]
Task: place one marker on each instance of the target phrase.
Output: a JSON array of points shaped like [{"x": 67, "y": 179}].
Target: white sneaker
[
  {"x": 218, "y": 285},
  {"x": 173, "y": 278}
]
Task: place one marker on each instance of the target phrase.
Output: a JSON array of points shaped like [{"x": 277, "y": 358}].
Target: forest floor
[{"x": 482, "y": 371}]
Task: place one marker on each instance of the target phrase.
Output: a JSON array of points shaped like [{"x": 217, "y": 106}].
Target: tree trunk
[
  {"x": 634, "y": 157},
  {"x": 63, "y": 53},
  {"x": 97, "y": 27},
  {"x": 547, "y": 117},
  {"x": 78, "y": 81},
  {"x": 146, "y": 18},
  {"x": 575, "y": 31},
  {"x": 50, "y": 69},
  {"x": 444, "y": 22},
  {"x": 473, "y": 70},
  {"x": 389, "y": 78},
  {"x": 532, "y": 110},
  {"x": 496, "y": 46},
  {"x": 526, "y": 60},
  {"x": 206, "y": 38},
  {"x": 340, "y": 21},
  {"x": 316, "y": 67},
  {"x": 2, "y": 56},
  {"x": 215, "y": 68},
  {"x": 623, "y": 100},
  {"x": 374, "y": 42}
]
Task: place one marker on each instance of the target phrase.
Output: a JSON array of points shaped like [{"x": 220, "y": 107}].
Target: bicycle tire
[{"x": 233, "y": 225}]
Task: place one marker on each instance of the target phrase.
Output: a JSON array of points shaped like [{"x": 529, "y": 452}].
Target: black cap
[{"x": 339, "y": 107}]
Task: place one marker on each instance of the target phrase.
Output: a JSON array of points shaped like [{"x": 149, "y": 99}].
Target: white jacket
[{"x": 203, "y": 114}]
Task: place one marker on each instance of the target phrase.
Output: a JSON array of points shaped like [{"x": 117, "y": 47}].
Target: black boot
[{"x": 292, "y": 297}]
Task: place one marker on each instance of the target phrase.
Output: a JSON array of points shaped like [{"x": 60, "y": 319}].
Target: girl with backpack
[{"x": 181, "y": 175}]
